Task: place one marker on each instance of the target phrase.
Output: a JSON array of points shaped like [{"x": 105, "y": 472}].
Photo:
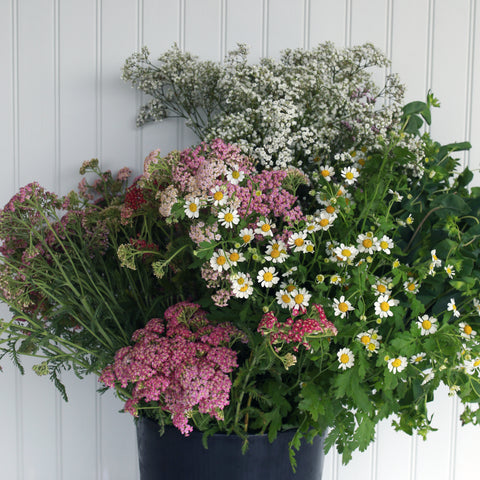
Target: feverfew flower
[
  {"x": 219, "y": 261},
  {"x": 301, "y": 297},
  {"x": 381, "y": 287},
  {"x": 396, "y": 365},
  {"x": 247, "y": 235},
  {"x": 411, "y": 286},
  {"x": 383, "y": 306},
  {"x": 451, "y": 307},
  {"x": 276, "y": 252},
  {"x": 427, "y": 324},
  {"x": 396, "y": 196},
  {"x": 367, "y": 243},
  {"x": 417, "y": 358},
  {"x": 385, "y": 244},
  {"x": 472, "y": 366},
  {"x": 284, "y": 299},
  {"x": 350, "y": 175},
  {"x": 327, "y": 172},
  {"x": 297, "y": 241},
  {"x": 341, "y": 307},
  {"x": 466, "y": 331},
  {"x": 242, "y": 285},
  {"x": 325, "y": 220},
  {"x": 435, "y": 260},
  {"x": 234, "y": 257},
  {"x": 267, "y": 277},
  {"x": 346, "y": 358},
  {"x": 345, "y": 253},
  {"x": 218, "y": 196},
  {"x": 192, "y": 208},
  {"x": 450, "y": 271},
  {"x": 265, "y": 227},
  {"x": 235, "y": 176},
  {"x": 228, "y": 218}
]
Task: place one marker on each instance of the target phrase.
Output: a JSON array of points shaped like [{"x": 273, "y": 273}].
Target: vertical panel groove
[
  {"x": 181, "y": 43},
  {"x": 265, "y": 23},
  {"x": 57, "y": 182},
  {"x": 430, "y": 41},
  {"x": 139, "y": 95},
  {"x": 222, "y": 43},
  {"x": 453, "y": 439},
  {"x": 348, "y": 23},
  {"x": 98, "y": 150},
  {"x": 306, "y": 25},
  {"x": 413, "y": 457},
  {"x": 16, "y": 184},
  {"x": 470, "y": 76}
]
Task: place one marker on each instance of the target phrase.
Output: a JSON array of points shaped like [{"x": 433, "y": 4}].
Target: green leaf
[
  {"x": 365, "y": 433},
  {"x": 450, "y": 204},
  {"x": 311, "y": 401},
  {"x": 414, "y": 107},
  {"x": 453, "y": 147},
  {"x": 465, "y": 177},
  {"x": 414, "y": 124}
]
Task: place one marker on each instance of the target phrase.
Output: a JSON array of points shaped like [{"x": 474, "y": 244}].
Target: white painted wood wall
[{"x": 62, "y": 102}]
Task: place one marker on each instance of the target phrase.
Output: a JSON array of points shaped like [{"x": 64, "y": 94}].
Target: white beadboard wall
[{"x": 62, "y": 101}]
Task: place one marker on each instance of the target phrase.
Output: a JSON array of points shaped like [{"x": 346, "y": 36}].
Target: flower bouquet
[{"x": 245, "y": 289}]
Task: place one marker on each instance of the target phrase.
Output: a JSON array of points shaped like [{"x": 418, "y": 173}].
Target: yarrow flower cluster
[{"x": 182, "y": 362}]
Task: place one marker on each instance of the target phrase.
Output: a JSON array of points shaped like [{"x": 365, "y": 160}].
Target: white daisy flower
[
  {"x": 345, "y": 253},
  {"x": 476, "y": 304},
  {"x": 472, "y": 366},
  {"x": 192, "y": 208},
  {"x": 290, "y": 272},
  {"x": 301, "y": 297},
  {"x": 373, "y": 346},
  {"x": 284, "y": 299},
  {"x": 383, "y": 306},
  {"x": 218, "y": 196},
  {"x": 450, "y": 271},
  {"x": 234, "y": 257},
  {"x": 350, "y": 175},
  {"x": 276, "y": 252},
  {"x": 297, "y": 241},
  {"x": 219, "y": 261},
  {"x": 409, "y": 220},
  {"x": 451, "y": 307},
  {"x": 385, "y": 244},
  {"x": 228, "y": 217},
  {"x": 396, "y": 196},
  {"x": 431, "y": 269},
  {"x": 336, "y": 279},
  {"x": 312, "y": 227},
  {"x": 466, "y": 331},
  {"x": 235, "y": 176},
  {"x": 381, "y": 287},
  {"x": 247, "y": 235},
  {"x": 267, "y": 277},
  {"x": 341, "y": 307},
  {"x": 242, "y": 285},
  {"x": 308, "y": 247},
  {"x": 265, "y": 227},
  {"x": 396, "y": 365},
  {"x": 346, "y": 358},
  {"x": 417, "y": 358},
  {"x": 325, "y": 220},
  {"x": 367, "y": 243},
  {"x": 435, "y": 260},
  {"x": 427, "y": 324},
  {"x": 327, "y": 172},
  {"x": 411, "y": 286},
  {"x": 428, "y": 375}
]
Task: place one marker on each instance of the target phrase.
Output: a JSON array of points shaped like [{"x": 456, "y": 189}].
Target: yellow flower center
[
  {"x": 221, "y": 260},
  {"x": 298, "y": 299},
  {"x": 411, "y": 287},
  {"x": 268, "y": 276},
  {"x": 235, "y": 174},
  {"x": 385, "y": 306},
  {"x": 228, "y": 217},
  {"x": 384, "y": 244},
  {"x": 286, "y": 298},
  {"x": 346, "y": 253},
  {"x": 244, "y": 288},
  {"x": 427, "y": 324},
  {"x": 468, "y": 329},
  {"x": 246, "y": 238},
  {"x": 275, "y": 253},
  {"x": 325, "y": 173},
  {"x": 367, "y": 243},
  {"x": 343, "y": 307},
  {"x": 298, "y": 242},
  {"x": 361, "y": 161},
  {"x": 234, "y": 256},
  {"x": 240, "y": 281},
  {"x": 476, "y": 363},
  {"x": 349, "y": 175},
  {"x": 193, "y": 207},
  {"x": 330, "y": 209},
  {"x": 371, "y": 347},
  {"x": 324, "y": 222},
  {"x": 290, "y": 288},
  {"x": 344, "y": 358},
  {"x": 365, "y": 339},
  {"x": 396, "y": 363},
  {"x": 218, "y": 196},
  {"x": 381, "y": 288},
  {"x": 265, "y": 227},
  {"x": 418, "y": 359},
  {"x": 309, "y": 248}
]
